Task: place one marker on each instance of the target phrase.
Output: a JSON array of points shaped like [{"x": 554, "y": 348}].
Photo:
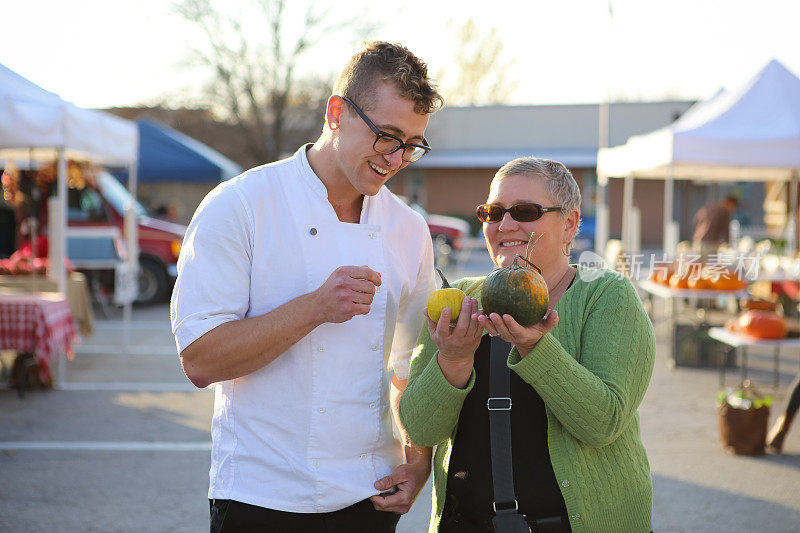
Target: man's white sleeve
[{"x": 213, "y": 285}]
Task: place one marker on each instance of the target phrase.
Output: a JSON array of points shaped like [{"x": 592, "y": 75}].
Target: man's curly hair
[{"x": 380, "y": 62}]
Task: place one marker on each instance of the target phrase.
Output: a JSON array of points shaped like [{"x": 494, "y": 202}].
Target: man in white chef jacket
[{"x": 300, "y": 292}]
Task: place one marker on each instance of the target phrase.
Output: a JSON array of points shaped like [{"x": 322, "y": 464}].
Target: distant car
[{"x": 447, "y": 230}]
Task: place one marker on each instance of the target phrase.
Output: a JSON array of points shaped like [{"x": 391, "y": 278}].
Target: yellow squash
[{"x": 447, "y": 296}]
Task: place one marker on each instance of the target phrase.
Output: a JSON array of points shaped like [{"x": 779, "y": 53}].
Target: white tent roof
[
  {"x": 749, "y": 134},
  {"x": 35, "y": 122}
]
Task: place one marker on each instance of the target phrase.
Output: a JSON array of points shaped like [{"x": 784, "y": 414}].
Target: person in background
[
  {"x": 577, "y": 378},
  {"x": 166, "y": 212},
  {"x": 780, "y": 429},
  {"x": 711, "y": 225},
  {"x": 300, "y": 292}
]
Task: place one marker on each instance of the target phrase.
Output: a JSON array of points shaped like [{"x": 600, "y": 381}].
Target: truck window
[
  {"x": 116, "y": 194},
  {"x": 85, "y": 205}
]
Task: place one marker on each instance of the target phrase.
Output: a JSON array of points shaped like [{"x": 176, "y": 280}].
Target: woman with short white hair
[{"x": 577, "y": 378}]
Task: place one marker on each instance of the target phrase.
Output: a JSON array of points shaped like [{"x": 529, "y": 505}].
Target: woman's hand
[
  {"x": 509, "y": 330},
  {"x": 457, "y": 344}
]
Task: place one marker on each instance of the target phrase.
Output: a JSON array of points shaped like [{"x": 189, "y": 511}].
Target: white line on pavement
[
  {"x": 121, "y": 386},
  {"x": 106, "y": 446},
  {"x": 110, "y": 349},
  {"x": 143, "y": 324}
]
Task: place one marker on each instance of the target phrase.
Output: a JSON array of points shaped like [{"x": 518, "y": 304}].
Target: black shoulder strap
[{"x": 506, "y": 518}]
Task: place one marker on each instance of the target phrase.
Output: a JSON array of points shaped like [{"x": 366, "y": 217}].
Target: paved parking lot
[{"x": 125, "y": 446}]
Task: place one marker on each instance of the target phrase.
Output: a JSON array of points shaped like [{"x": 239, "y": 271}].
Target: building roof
[
  {"x": 489, "y": 136},
  {"x": 571, "y": 157}
]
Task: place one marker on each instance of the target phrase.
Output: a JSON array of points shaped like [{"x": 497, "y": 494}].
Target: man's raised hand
[{"x": 347, "y": 292}]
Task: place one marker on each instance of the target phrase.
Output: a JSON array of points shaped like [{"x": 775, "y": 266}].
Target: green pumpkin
[{"x": 519, "y": 291}]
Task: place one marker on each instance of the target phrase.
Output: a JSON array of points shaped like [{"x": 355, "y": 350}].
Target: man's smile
[{"x": 379, "y": 170}]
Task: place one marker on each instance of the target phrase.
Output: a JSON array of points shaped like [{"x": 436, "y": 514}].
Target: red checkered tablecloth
[{"x": 37, "y": 323}]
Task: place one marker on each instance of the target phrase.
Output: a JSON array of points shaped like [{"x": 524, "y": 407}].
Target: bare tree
[
  {"x": 253, "y": 56},
  {"x": 480, "y": 76}
]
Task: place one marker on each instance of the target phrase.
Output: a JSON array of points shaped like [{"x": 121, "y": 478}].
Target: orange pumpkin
[
  {"x": 662, "y": 275},
  {"x": 659, "y": 276},
  {"x": 762, "y": 325},
  {"x": 679, "y": 281},
  {"x": 699, "y": 283},
  {"x": 728, "y": 281},
  {"x": 757, "y": 305}
]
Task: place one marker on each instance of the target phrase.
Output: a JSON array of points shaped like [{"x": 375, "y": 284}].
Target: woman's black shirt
[{"x": 469, "y": 478}]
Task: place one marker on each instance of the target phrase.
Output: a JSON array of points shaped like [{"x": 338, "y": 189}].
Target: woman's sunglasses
[{"x": 490, "y": 213}]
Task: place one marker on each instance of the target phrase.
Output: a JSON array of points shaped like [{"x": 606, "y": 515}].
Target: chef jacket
[{"x": 312, "y": 430}]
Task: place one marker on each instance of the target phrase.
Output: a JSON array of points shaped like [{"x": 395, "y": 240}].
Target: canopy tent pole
[
  {"x": 669, "y": 200},
  {"x": 60, "y": 239},
  {"x": 601, "y": 209},
  {"x": 791, "y": 241},
  {"x": 635, "y": 221},
  {"x": 131, "y": 268},
  {"x": 627, "y": 220},
  {"x": 57, "y": 242},
  {"x": 601, "y": 216}
]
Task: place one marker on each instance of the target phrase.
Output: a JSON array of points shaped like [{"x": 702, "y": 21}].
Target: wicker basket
[{"x": 743, "y": 431}]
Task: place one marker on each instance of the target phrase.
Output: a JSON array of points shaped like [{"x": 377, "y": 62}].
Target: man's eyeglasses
[
  {"x": 386, "y": 143},
  {"x": 491, "y": 213}
]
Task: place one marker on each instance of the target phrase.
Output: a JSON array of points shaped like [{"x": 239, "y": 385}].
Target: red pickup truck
[
  {"x": 450, "y": 230},
  {"x": 159, "y": 240}
]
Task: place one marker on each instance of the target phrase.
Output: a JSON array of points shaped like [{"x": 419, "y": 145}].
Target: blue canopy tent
[{"x": 167, "y": 155}]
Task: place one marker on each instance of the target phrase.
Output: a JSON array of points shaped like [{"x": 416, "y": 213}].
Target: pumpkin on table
[
  {"x": 759, "y": 324},
  {"x": 757, "y": 305},
  {"x": 727, "y": 281},
  {"x": 662, "y": 275},
  {"x": 679, "y": 281},
  {"x": 699, "y": 283}
]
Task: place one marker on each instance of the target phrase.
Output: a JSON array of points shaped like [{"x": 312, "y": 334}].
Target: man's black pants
[{"x": 229, "y": 516}]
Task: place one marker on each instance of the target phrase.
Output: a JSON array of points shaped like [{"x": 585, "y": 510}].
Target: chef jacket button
[
  {"x": 363, "y": 456},
  {"x": 320, "y": 348},
  {"x": 321, "y": 409},
  {"x": 313, "y": 231},
  {"x": 374, "y": 347},
  {"x": 372, "y": 405},
  {"x": 373, "y": 235},
  {"x": 316, "y": 463}
]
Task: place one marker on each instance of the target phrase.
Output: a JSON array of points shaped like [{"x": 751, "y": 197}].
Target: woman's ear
[
  {"x": 333, "y": 112},
  {"x": 571, "y": 225}
]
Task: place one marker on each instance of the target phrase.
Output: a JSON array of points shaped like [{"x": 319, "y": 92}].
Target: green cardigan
[{"x": 592, "y": 371}]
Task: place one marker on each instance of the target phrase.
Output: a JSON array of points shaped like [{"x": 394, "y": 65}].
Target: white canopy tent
[
  {"x": 749, "y": 134},
  {"x": 37, "y": 125}
]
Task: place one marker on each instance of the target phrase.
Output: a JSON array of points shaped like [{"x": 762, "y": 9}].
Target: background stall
[
  {"x": 748, "y": 134},
  {"x": 38, "y": 127}
]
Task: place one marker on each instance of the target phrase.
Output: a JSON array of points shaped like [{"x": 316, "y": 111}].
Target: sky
[{"x": 126, "y": 52}]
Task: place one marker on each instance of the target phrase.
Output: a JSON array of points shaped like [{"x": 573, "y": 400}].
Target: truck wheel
[{"x": 153, "y": 284}]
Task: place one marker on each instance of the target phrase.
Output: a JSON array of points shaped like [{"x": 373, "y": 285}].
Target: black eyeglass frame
[
  {"x": 380, "y": 133},
  {"x": 513, "y": 210}
]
